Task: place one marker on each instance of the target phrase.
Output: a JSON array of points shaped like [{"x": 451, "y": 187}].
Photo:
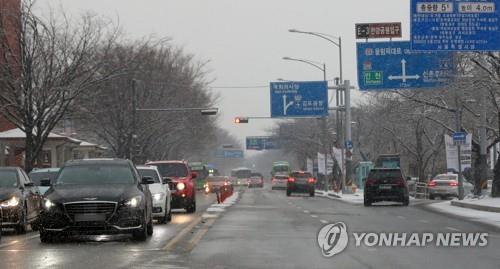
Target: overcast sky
[{"x": 246, "y": 39}]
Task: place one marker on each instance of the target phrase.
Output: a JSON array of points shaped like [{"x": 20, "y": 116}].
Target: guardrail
[{"x": 421, "y": 190}]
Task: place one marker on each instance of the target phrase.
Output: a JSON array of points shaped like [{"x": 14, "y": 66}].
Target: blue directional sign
[
  {"x": 299, "y": 99},
  {"x": 261, "y": 143},
  {"x": 229, "y": 153},
  {"x": 459, "y": 137},
  {"x": 392, "y": 65},
  {"x": 349, "y": 145},
  {"x": 455, "y": 25}
]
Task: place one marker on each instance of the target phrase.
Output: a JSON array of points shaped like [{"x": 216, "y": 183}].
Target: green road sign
[{"x": 374, "y": 77}]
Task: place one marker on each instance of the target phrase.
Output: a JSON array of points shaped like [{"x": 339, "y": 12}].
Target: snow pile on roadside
[
  {"x": 490, "y": 218},
  {"x": 231, "y": 200},
  {"x": 484, "y": 201},
  {"x": 353, "y": 198}
]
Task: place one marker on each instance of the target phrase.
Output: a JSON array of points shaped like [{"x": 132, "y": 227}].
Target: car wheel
[
  {"x": 149, "y": 227},
  {"x": 288, "y": 193},
  {"x": 21, "y": 227},
  {"x": 191, "y": 208},
  {"x": 141, "y": 234},
  {"x": 431, "y": 197},
  {"x": 367, "y": 201},
  {"x": 406, "y": 201},
  {"x": 169, "y": 214},
  {"x": 48, "y": 237}
]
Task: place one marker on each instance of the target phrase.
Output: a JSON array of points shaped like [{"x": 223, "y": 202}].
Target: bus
[
  {"x": 202, "y": 170},
  {"x": 240, "y": 176},
  {"x": 281, "y": 167}
]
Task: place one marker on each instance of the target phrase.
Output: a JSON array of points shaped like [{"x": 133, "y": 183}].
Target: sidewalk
[
  {"x": 355, "y": 198},
  {"x": 485, "y": 204}
]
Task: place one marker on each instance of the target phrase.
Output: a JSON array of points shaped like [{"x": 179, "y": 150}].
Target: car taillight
[
  {"x": 453, "y": 183},
  {"x": 431, "y": 183},
  {"x": 225, "y": 183},
  {"x": 310, "y": 180},
  {"x": 291, "y": 179},
  {"x": 370, "y": 182},
  {"x": 400, "y": 182}
]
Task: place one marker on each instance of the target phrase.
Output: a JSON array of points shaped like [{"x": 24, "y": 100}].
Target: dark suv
[
  {"x": 20, "y": 200},
  {"x": 97, "y": 196},
  {"x": 386, "y": 184},
  {"x": 300, "y": 182}
]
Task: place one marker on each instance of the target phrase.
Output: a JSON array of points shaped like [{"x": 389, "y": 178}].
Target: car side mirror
[
  {"x": 45, "y": 182},
  {"x": 29, "y": 184},
  {"x": 147, "y": 180},
  {"x": 194, "y": 175},
  {"x": 166, "y": 180}
]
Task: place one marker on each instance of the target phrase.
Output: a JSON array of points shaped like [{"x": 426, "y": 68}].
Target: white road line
[
  {"x": 423, "y": 221},
  {"x": 401, "y": 217},
  {"x": 306, "y": 211},
  {"x": 314, "y": 216},
  {"x": 452, "y": 229},
  {"x": 323, "y": 221}
]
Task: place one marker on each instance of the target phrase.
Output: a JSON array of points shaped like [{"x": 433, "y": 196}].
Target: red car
[{"x": 183, "y": 185}]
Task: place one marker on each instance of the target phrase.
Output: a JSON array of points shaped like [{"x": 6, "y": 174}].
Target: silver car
[
  {"x": 279, "y": 182},
  {"x": 446, "y": 185}
]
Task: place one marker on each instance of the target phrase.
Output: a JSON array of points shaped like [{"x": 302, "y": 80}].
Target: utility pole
[
  {"x": 483, "y": 152},
  {"x": 134, "y": 122},
  {"x": 458, "y": 115},
  {"x": 348, "y": 133}
]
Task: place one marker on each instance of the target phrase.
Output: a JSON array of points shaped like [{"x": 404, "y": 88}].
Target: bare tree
[{"x": 51, "y": 63}]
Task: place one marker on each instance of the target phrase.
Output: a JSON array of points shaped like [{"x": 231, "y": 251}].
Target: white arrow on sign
[
  {"x": 285, "y": 105},
  {"x": 403, "y": 76}
]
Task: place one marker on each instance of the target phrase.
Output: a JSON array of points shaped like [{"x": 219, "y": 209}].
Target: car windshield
[
  {"x": 8, "y": 179},
  {"x": 301, "y": 175},
  {"x": 281, "y": 168},
  {"x": 214, "y": 179},
  {"x": 37, "y": 177},
  {"x": 149, "y": 173},
  {"x": 172, "y": 169},
  {"x": 242, "y": 174},
  {"x": 96, "y": 174},
  {"x": 281, "y": 177}
]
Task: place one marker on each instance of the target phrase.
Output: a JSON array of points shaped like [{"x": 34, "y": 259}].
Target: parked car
[
  {"x": 300, "y": 181},
  {"x": 160, "y": 190},
  {"x": 183, "y": 185},
  {"x": 386, "y": 184},
  {"x": 279, "y": 182},
  {"x": 214, "y": 183},
  {"x": 20, "y": 200},
  {"x": 95, "y": 196},
  {"x": 45, "y": 173},
  {"x": 445, "y": 186}
]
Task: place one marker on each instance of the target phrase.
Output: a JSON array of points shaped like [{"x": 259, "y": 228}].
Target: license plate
[
  {"x": 385, "y": 187},
  {"x": 90, "y": 217}
]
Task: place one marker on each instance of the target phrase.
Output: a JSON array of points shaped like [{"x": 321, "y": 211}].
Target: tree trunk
[
  {"x": 29, "y": 157},
  {"x": 495, "y": 186}
]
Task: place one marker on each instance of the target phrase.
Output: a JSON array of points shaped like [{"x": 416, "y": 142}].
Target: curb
[
  {"x": 335, "y": 197},
  {"x": 476, "y": 207}
]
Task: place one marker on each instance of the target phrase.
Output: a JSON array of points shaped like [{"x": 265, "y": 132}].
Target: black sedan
[
  {"x": 302, "y": 182},
  {"x": 386, "y": 184},
  {"x": 20, "y": 200},
  {"x": 98, "y": 196}
]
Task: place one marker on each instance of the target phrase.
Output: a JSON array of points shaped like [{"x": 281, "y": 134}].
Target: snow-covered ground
[
  {"x": 231, "y": 200},
  {"x": 355, "y": 198},
  {"x": 491, "y": 218}
]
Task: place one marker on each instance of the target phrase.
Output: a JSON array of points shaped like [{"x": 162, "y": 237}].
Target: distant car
[
  {"x": 302, "y": 182},
  {"x": 445, "y": 186},
  {"x": 95, "y": 196},
  {"x": 279, "y": 182},
  {"x": 45, "y": 173},
  {"x": 160, "y": 191},
  {"x": 20, "y": 200},
  {"x": 214, "y": 183},
  {"x": 183, "y": 185},
  {"x": 386, "y": 184},
  {"x": 255, "y": 181}
]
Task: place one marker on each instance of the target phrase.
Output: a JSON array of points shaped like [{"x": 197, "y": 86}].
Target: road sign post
[
  {"x": 393, "y": 65},
  {"x": 299, "y": 99},
  {"x": 455, "y": 25}
]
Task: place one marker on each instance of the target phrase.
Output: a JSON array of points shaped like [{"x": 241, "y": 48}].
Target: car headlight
[
  {"x": 181, "y": 186},
  {"x": 47, "y": 204},
  {"x": 12, "y": 202},
  {"x": 158, "y": 196},
  {"x": 134, "y": 202},
  {"x": 207, "y": 189}
]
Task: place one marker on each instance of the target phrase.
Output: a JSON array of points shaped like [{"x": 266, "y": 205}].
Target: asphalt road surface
[{"x": 264, "y": 229}]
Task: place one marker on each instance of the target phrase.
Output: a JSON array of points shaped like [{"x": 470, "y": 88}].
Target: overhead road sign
[
  {"x": 392, "y": 65},
  {"x": 378, "y": 30},
  {"x": 299, "y": 99},
  {"x": 455, "y": 25},
  {"x": 261, "y": 143},
  {"x": 227, "y": 153}
]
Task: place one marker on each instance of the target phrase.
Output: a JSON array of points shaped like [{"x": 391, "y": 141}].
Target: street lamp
[{"x": 317, "y": 65}]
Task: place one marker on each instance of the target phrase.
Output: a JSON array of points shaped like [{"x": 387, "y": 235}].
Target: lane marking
[
  {"x": 323, "y": 221},
  {"x": 199, "y": 235},
  {"x": 452, "y": 229},
  {"x": 171, "y": 244},
  {"x": 19, "y": 241},
  {"x": 306, "y": 211},
  {"x": 314, "y": 216},
  {"x": 423, "y": 221},
  {"x": 401, "y": 217}
]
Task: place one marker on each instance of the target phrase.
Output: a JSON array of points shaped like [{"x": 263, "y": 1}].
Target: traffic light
[{"x": 239, "y": 120}]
